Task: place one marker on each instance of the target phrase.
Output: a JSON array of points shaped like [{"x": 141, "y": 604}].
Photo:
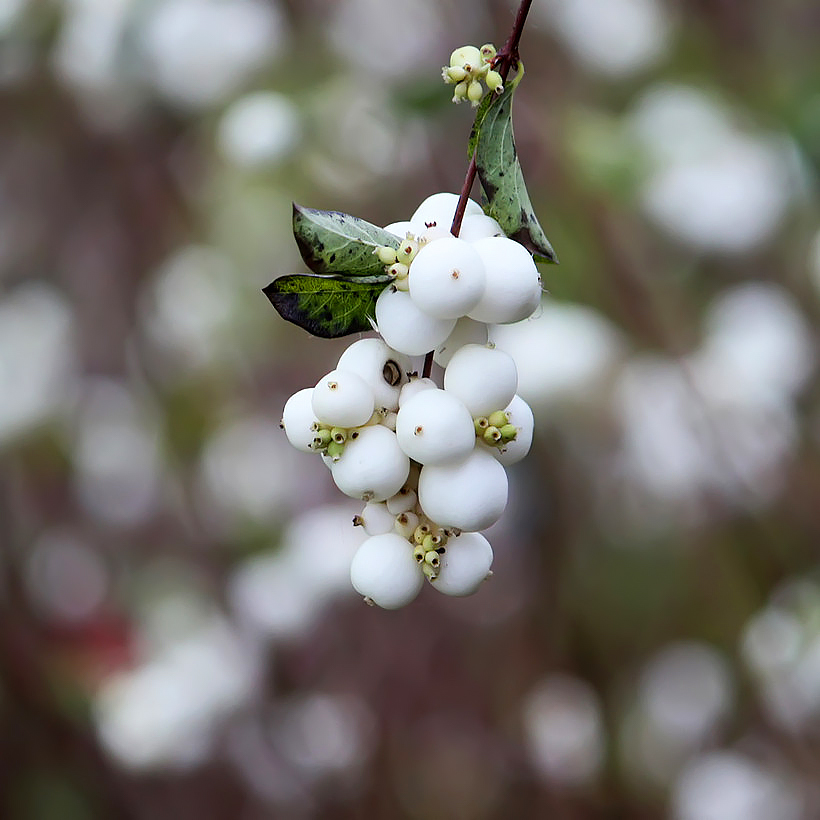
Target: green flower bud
[
  {"x": 429, "y": 571},
  {"x": 419, "y": 553},
  {"x": 494, "y": 81},
  {"x": 407, "y": 250},
  {"x": 488, "y": 52},
  {"x": 335, "y": 450},
  {"x": 492, "y": 435},
  {"x": 321, "y": 439},
  {"x": 455, "y": 74},
  {"x": 460, "y": 92},
  {"x": 339, "y": 435},
  {"x": 432, "y": 558},
  {"x": 427, "y": 543},
  {"x": 386, "y": 254},
  {"x": 481, "y": 424},
  {"x": 509, "y": 432},
  {"x": 421, "y": 532},
  {"x": 497, "y": 419},
  {"x": 398, "y": 270},
  {"x": 475, "y": 92}
]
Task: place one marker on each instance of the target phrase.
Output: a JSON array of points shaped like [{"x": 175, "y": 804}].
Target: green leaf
[
  {"x": 328, "y": 307},
  {"x": 334, "y": 244},
  {"x": 502, "y": 179},
  {"x": 481, "y": 112}
]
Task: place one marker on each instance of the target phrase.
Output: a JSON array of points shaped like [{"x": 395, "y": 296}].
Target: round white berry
[
  {"x": 513, "y": 289},
  {"x": 465, "y": 564},
  {"x": 467, "y": 331},
  {"x": 470, "y": 494},
  {"x": 479, "y": 226},
  {"x": 414, "y": 386},
  {"x": 405, "y": 524},
  {"x": 376, "y": 519},
  {"x": 384, "y": 570},
  {"x": 372, "y": 466},
  {"x": 343, "y": 399},
  {"x": 439, "y": 209},
  {"x": 298, "y": 419},
  {"x": 434, "y": 427},
  {"x": 401, "y": 229},
  {"x": 485, "y": 379},
  {"x": 520, "y": 416},
  {"x": 384, "y": 369},
  {"x": 405, "y": 327},
  {"x": 447, "y": 278}
]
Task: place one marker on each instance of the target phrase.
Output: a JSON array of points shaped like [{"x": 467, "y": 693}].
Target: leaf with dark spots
[
  {"x": 333, "y": 243},
  {"x": 324, "y": 306},
  {"x": 502, "y": 179}
]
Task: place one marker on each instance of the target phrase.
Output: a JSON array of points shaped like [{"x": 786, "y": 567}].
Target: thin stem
[{"x": 506, "y": 58}]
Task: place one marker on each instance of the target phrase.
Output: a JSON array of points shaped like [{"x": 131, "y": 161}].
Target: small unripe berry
[
  {"x": 470, "y": 494},
  {"x": 465, "y": 565},
  {"x": 494, "y": 81},
  {"x": 375, "y": 518},
  {"x": 405, "y": 524},
  {"x": 454, "y": 74},
  {"x": 475, "y": 92},
  {"x": 405, "y": 499},
  {"x": 298, "y": 420},
  {"x": 488, "y": 52},
  {"x": 385, "y": 571},
  {"x": 343, "y": 399},
  {"x": 386, "y": 254},
  {"x": 482, "y": 377},
  {"x": 467, "y": 57}
]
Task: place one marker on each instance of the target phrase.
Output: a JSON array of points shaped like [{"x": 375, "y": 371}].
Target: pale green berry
[
  {"x": 460, "y": 92},
  {"x": 488, "y": 52},
  {"x": 398, "y": 270},
  {"x": 386, "y": 254},
  {"x": 407, "y": 251},
  {"x": 497, "y": 419},
  {"x": 475, "y": 92},
  {"x": 492, "y": 436},
  {"x": 494, "y": 81},
  {"x": 455, "y": 74},
  {"x": 466, "y": 57}
]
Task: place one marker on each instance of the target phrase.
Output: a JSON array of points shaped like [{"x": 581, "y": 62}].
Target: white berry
[
  {"x": 465, "y": 564},
  {"x": 405, "y": 327},
  {"x": 470, "y": 494},
  {"x": 298, "y": 419},
  {"x": 384, "y": 369},
  {"x": 466, "y": 331},
  {"x": 384, "y": 570},
  {"x": 485, "y": 379},
  {"x": 343, "y": 399},
  {"x": 376, "y": 519},
  {"x": 479, "y": 226},
  {"x": 372, "y": 466},
  {"x": 447, "y": 278},
  {"x": 413, "y": 387},
  {"x": 440, "y": 209},
  {"x": 434, "y": 427},
  {"x": 513, "y": 284}
]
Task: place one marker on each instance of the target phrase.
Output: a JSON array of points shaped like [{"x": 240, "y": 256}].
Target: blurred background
[{"x": 178, "y": 637}]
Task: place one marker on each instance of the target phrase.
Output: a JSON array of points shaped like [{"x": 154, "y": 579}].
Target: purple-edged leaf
[
  {"x": 327, "y": 307},
  {"x": 337, "y": 244}
]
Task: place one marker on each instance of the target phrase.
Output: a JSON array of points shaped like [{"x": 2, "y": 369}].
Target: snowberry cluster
[
  {"x": 468, "y": 67},
  {"x": 429, "y": 462}
]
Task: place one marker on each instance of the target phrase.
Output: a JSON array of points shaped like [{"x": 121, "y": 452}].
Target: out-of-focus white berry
[
  {"x": 513, "y": 284},
  {"x": 401, "y": 229},
  {"x": 407, "y": 328},
  {"x": 343, "y": 399},
  {"x": 440, "y": 209},
  {"x": 483, "y": 378},
  {"x": 405, "y": 499},
  {"x": 465, "y": 563},
  {"x": 447, "y": 278},
  {"x": 469, "y": 494},
  {"x": 434, "y": 427},
  {"x": 413, "y": 387},
  {"x": 384, "y": 570},
  {"x": 520, "y": 416},
  {"x": 376, "y": 519},
  {"x": 297, "y": 418},
  {"x": 373, "y": 466},
  {"x": 479, "y": 226},
  {"x": 467, "y": 331},
  {"x": 385, "y": 370}
]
